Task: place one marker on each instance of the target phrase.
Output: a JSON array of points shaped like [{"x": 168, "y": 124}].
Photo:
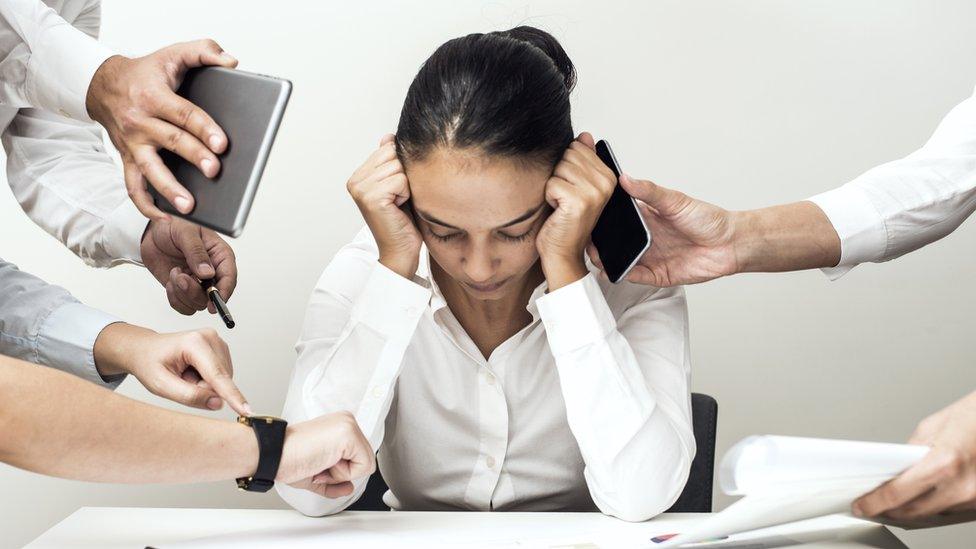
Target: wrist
[
  {"x": 563, "y": 270},
  {"x": 790, "y": 237},
  {"x": 246, "y": 452},
  {"x": 100, "y": 86},
  {"x": 404, "y": 265},
  {"x": 744, "y": 241},
  {"x": 287, "y": 466},
  {"x": 116, "y": 347}
]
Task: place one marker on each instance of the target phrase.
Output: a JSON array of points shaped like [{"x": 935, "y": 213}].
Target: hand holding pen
[{"x": 210, "y": 286}]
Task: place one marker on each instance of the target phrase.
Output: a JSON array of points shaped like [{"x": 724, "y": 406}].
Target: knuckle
[
  {"x": 153, "y": 386},
  {"x": 171, "y": 67},
  {"x": 145, "y": 95},
  {"x": 144, "y": 165},
  {"x": 195, "y": 338},
  {"x": 173, "y": 139},
  {"x": 184, "y": 113},
  {"x": 968, "y": 493},
  {"x": 884, "y": 497},
  {"x": 130, "y": 121},
  {"x": 951, "y": 463}
]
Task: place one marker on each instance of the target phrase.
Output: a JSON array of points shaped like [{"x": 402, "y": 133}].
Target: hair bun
[{"x": 550, "y": 46}]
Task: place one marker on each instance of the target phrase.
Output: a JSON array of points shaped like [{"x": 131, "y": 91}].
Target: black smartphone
[{"x": 620, "y": 234}]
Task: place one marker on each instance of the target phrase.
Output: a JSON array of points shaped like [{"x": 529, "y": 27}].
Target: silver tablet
[{"x": 249, "y": 108}]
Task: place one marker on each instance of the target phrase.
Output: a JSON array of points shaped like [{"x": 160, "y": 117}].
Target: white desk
[{"x": 109, "y": 528}]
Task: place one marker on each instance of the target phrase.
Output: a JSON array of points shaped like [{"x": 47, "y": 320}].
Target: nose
[{"x": 477, "y": 263}]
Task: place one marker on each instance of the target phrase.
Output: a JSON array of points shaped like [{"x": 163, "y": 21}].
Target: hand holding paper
[{"x": 787, "y": 479}]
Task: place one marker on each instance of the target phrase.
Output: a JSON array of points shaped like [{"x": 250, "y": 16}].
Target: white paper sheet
[
  {"x": 761, "y": 464},
  {"x": 787, "y": 479}
]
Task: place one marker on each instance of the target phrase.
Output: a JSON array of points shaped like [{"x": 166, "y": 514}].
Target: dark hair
[{"x": 502, "y": 93}]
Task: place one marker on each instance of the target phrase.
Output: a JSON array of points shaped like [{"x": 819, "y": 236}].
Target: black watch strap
[{"x": 270, "y": 432}]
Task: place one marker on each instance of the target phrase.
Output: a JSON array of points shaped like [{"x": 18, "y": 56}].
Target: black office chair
[
  {"x": 697, "y": 495},
  {"x": 695, "y": 498}
]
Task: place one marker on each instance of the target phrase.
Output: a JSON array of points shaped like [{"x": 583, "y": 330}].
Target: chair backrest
[
  {"x": 695, "y": 498},
  {"x": 697, "y": 495}
]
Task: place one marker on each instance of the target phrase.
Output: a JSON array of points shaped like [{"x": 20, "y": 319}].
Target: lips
[{"x": 486, "y": 288}]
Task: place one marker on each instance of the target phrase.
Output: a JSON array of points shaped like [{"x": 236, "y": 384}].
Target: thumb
[
  {"x": 199, "y": 53},
  {"x": 189, "y": 241},
  {"x": 185, "y": 392},
  {"x": 662, "y": 199}
]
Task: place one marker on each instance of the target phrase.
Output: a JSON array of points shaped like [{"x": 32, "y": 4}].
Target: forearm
[
  {"x": 57, "y": 425},
  {"x": 790, "y": 237},
  {"x": 625, "y": 386},
  {"x": 116, "y": 346}
]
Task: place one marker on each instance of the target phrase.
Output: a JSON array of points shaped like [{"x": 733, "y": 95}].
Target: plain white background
[{"x": 743, "y": 103}]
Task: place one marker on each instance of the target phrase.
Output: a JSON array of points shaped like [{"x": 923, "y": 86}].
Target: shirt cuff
[
  {"x": 391, "y": 304},
  {"x": 66, "y": 341},
  {"x": 576, "y": 315},
  {"x": 61, "y": 69},
  {"x": 124, "y": 229},
  {"x": 862, "y": 231}
]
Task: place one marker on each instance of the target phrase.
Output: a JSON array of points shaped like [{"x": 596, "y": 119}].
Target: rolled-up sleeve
[
  {"x": 625, "y": 384},
  {"x": 906, "y": 204},
  {"x": 44, "y": 324}
]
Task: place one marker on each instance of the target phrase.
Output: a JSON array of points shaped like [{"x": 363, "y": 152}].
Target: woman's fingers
[
  {"x": 594, "y": 255},
  {"x": 586, "y": 138}
]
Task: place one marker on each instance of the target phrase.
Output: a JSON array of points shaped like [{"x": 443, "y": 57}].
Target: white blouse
[{"x": 586, "y": 408}]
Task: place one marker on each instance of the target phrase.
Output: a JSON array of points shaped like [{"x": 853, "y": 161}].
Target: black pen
[{"x": 210, "y": 286}]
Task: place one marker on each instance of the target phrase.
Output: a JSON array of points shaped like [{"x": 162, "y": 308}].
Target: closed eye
[
  {"x": 518, "y": 237},
  {"x": 442, "y": 237},
  {"x": 446, "y": 237}
]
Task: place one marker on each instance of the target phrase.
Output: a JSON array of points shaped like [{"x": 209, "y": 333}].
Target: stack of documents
[{"x": 787, "y": 479}]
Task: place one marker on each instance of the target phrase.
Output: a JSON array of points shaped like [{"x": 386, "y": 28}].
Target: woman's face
[{"x": 479, "y": 217}]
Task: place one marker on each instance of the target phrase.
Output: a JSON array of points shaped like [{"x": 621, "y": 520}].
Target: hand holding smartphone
[{"x": 620, "y": 234}]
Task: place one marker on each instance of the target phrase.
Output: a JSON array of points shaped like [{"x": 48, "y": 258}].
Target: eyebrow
[{"x": 431, "y": 219}]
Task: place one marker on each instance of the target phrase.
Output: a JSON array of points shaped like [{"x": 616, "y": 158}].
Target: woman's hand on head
[
  {"x": 380, "y": 189},
  {"x": 579, "y": 188}
]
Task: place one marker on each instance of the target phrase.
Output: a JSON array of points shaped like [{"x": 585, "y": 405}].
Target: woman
[{"x": 488, "y": 364}]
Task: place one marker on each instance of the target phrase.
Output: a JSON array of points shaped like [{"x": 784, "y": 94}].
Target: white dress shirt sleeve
[
  {"x": 64, "y": 179},
  {"x": 625, "y": 384},
  {"x": 62, "y": 176},
  {"x": 903, "y": 205},
  {"x": 359, "y": 322},
  {"x": 44, "y": 324},
  {"x": 53, "y": 65}
]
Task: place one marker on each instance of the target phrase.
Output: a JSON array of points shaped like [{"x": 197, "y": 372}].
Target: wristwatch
[{"x": 270, "y": 431}]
